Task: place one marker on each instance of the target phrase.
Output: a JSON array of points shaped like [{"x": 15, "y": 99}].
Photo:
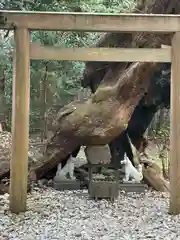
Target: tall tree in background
[{"x": 3, "y": 126}]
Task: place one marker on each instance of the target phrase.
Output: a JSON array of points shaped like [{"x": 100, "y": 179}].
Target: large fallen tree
[{"x": 98, "y": 120}]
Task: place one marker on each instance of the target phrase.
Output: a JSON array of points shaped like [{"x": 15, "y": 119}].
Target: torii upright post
[
  {"x": 20, "y": 122},
  {"x": 175, "y": 127}
]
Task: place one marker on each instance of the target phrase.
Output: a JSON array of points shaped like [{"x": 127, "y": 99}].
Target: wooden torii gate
[{"x": 24, "y": 22}]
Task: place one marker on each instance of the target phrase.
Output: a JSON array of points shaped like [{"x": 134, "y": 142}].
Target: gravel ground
[{"x": 71, "y": 215}]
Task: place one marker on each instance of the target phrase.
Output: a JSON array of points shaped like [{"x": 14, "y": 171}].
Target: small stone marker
[{"x": 99, "y": 154}]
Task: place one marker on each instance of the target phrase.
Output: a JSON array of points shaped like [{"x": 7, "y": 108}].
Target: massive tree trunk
[{"x": 98, "y": 120}]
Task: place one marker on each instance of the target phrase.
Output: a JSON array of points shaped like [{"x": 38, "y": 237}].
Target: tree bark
[{"x": 153, "y": 176}]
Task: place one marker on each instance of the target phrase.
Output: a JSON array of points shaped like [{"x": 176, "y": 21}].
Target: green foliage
[
  {"x": 160, "y": 126},
  {"x": 63, "y": 78}
]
